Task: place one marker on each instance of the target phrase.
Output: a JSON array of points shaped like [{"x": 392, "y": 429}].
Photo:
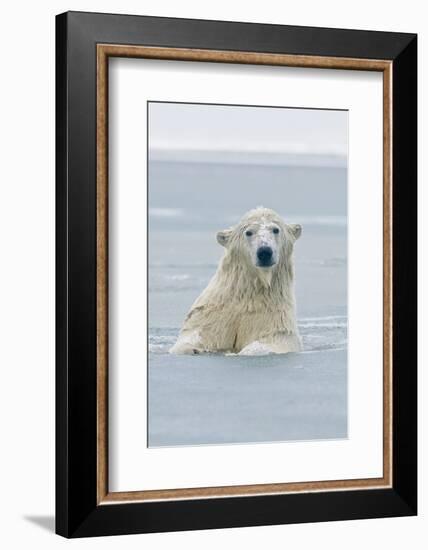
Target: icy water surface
[{"x": 218, "y": 399}]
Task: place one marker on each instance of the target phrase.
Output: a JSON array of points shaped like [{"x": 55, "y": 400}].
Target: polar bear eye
[
  {"x": 275, "y": 230},
  {"x": 249, "y": 233}
]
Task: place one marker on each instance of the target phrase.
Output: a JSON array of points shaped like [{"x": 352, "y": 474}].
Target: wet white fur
[{"x": 247, "y": 309}]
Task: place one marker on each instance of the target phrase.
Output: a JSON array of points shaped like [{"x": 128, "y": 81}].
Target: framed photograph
[{"x": 236, "y": 274}]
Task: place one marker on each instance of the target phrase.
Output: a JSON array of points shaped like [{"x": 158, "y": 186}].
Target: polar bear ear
[
  {"x": 224, "y": 236},
  {"x": 296, "y": 230}
]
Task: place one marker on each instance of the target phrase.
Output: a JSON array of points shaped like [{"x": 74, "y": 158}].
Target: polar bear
[{"x": 248, "y": 307}]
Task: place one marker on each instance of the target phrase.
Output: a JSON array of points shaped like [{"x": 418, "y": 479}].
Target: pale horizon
[{"x": 194, "y": 131}]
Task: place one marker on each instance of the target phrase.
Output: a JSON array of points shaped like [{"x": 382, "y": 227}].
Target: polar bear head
[{"x": 261, "y": 239}]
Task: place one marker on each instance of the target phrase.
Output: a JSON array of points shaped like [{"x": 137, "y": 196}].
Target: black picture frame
[{"x": 77, "y": 512}]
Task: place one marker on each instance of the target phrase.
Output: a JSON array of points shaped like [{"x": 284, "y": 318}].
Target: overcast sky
[{"x": 175, "y": 126}]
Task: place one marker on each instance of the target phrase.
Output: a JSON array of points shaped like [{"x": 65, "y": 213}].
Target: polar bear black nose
[{"x": 264, "y": 255}]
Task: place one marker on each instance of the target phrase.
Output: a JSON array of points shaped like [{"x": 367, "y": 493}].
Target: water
[{"x": 219, "y": 399}]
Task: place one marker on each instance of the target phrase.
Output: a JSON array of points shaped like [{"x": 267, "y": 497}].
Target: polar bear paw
[
  {"x": 188, "y": 344},
  {"x": 256, "y": 348}
]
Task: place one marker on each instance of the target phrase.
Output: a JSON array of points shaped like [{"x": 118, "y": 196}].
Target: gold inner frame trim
[{"x": 104, "y": 51}]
